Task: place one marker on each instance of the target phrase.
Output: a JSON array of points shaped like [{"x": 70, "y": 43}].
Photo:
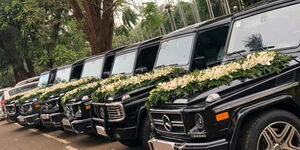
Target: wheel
[
  {"x": 145, "y": 131},
  {"x": 129, "y": 143},
  {"x": 271, "y": 130}
]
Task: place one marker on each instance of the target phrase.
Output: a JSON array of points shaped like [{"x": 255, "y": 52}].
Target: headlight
[
  {"x": 199, "y": 121},
  {"x": 127, "y": 96},
  {"x": 213, "y": 97},
  {"x": 61, "y": 94}
]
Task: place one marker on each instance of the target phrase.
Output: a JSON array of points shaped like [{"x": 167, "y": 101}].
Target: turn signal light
[
  {"x": 37, "y": 105},
  {"x": 88, "y": 107},
  {"x": 222, "y": 116}
]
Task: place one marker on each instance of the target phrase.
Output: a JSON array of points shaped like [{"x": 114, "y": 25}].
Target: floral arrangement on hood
[
  {"x": 31, "y": 94},
  {"x": 135, "y": 82},
  {"x": 89, "y": 88},
  {"x": 254, "y": 65},
  {"x": 64, "y": 87},
  {"x": 13, "y": 98}
]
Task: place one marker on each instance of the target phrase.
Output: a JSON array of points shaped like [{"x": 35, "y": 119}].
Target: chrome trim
[
  {"x": 155, "y": 144},
  {"x": 174, "y": 123},
  {"x": 120, "y": 110},
  {"x": 248, "y": 99}
]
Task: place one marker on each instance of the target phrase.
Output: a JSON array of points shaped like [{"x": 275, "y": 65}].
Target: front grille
[
  {"x": 10, "y": 109},
  {"x": 50, "y": 106},
  {"x": 25, "y": 109},
  {"x": 70, "y": 110},
  {"x": 115, "y": 111},
  {"x": 158, "y": 118}
]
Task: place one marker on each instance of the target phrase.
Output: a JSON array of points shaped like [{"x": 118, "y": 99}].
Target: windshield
[
  {"x": 63, "y": 75},
  {"x": 22, "y": 89},
  {"x": 175, "y": 51},
  {"x": 93, "y": 68},
  {"x": 124, "y": 63},
  {"x": 274, "y": 29},
  {"x": 43, "y": 81}
]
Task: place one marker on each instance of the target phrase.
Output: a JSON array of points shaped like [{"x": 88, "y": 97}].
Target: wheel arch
[{"x": 283, "y": 102}]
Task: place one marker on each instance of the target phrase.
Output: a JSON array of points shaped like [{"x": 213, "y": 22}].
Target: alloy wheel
[{"x": 279, "y": 135}]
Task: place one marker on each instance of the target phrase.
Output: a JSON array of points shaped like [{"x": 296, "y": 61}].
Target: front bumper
[
  {"x": 29, "y": 120},
  {"x": 52, "y": 120},
  {"x": 77, "y": 126},
  {"x": 155, "y": 144}
]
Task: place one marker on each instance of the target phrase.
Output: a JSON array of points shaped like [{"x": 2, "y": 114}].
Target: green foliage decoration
[
  {"x": 255, "y": 65},
  {"x": 135, "y": 82}
]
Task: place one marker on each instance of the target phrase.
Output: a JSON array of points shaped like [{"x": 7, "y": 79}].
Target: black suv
[
  {"x": 52, "y": 111},
  {"x": 246, "y": 114},
  {"x": 77, "y": 110},
  {"x": 124, "y": 117},
  {"x": 12, "y": 108},
  {"x": 137, "y": 58}
]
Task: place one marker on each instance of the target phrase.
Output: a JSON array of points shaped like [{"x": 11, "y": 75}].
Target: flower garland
[
  {"x": 13, "y": 98},
  {"x": 31, "y": 94},
  {"x": 135, "y": 82},
  {"x": 64, "y": 87},
  {"x": 88, "y": 89},
  {"x": 253, "y": 65}
]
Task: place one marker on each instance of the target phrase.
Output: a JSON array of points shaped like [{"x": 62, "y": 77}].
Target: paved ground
[{"x": 14, "y": 137}]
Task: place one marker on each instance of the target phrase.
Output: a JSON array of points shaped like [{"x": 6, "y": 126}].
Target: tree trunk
[
  {"x": 98, "y": 22},
  {"x": 8, "y": 45},
  {"x": 30, "y": 67}
]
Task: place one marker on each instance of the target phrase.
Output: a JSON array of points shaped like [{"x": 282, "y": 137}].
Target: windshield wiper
[
  {"x": 238, "y": 52},
  {"x": 261, "y": 48}
]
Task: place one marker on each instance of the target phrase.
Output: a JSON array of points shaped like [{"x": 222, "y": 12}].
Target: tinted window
[
  {"x": 279, "y": 28},
  {"x": 175, "y": 51},
  {"x": 63, "y": 75},
  {"x": 124, "y": 63},
  {"x": 43, "y": 81},
  {"x": 93, "y": 68}
]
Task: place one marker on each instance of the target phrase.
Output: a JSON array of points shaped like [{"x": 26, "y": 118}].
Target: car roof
[
  {"x": 200, "y": 26},
  {"x": 262, "y": 6},
  {"x": 36, "y": 78}
]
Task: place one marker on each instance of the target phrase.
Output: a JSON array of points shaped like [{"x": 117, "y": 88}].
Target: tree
[
  {"x": 97, "y": 17},
  {"x": 32, "y": 32}
]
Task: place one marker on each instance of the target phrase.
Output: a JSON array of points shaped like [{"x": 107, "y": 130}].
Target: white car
[{"x": 2, "y": 102}]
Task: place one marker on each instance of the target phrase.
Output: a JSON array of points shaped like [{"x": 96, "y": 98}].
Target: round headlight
[
  {"x": 127, "y": 96},
  {"x": 199, "y": 121}
]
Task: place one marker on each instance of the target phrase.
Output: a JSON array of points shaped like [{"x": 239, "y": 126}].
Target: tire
[
  {"x": 145, "y": 132},
  {"x": 258, "y": 127},
  {"x": 130, "y": 143}
]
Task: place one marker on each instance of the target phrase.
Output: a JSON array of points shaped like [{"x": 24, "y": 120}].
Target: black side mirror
[
  {"x": 141, "y": 70},
  {"x": 105, "y": 74},
  {"x": 199, "y": 62}
]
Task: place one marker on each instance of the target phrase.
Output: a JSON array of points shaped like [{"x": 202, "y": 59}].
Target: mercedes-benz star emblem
[{"x": 167, "y": 123}]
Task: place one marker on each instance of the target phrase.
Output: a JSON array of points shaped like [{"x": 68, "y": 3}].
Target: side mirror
[
  {"x": 105, "y": 74},
  {"x": 199, "y": 62},
  {"x": 141, "y": 70}
]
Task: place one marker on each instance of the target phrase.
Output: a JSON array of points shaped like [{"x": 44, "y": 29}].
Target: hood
[{"x": 132, "y": 95}]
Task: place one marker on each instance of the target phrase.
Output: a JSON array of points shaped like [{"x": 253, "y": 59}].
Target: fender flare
[{"x": 241, "y": 114}]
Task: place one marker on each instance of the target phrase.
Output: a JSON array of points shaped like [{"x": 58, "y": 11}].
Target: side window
[
  {"x": 146, "y": 58},
  {"x": 108, "y": 66},
  {"x": 210, "y": 45},
  {"x": 76, "y": 72}
]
